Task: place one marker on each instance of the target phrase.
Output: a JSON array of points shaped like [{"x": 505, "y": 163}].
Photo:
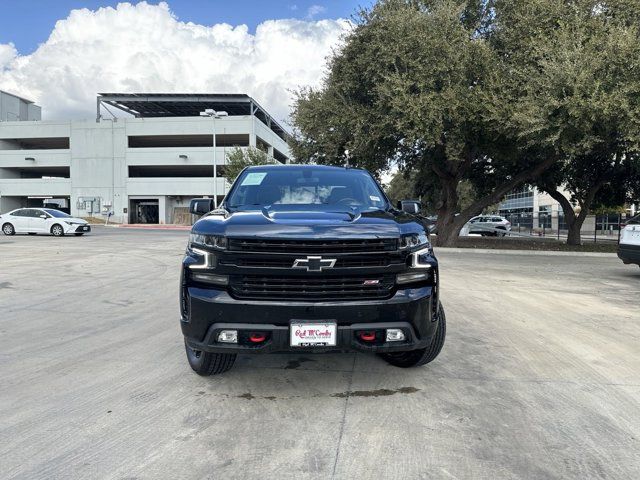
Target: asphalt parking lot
[{"x": 539, "y": 377}]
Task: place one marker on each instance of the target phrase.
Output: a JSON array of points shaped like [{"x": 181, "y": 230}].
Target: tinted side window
[{"x": 20, "y": 213}]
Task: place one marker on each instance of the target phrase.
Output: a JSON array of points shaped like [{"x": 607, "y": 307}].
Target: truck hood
[{"x": 296, "y": 222}]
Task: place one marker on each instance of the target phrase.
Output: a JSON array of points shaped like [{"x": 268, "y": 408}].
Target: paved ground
[{"x": 539, "y": 378}]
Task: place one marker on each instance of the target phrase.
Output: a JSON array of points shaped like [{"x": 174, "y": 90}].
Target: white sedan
[{"x": 42, "y": 220}]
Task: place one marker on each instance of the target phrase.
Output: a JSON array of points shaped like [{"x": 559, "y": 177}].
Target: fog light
[
  {"x": 210, "y": 278},
  {"x": 412, "y": 277},
  {"x": 228, "y": 336},
  {"x": 395, "y": 335}
]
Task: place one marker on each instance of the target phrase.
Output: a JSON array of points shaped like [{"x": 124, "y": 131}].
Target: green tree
[
  {"x": 401, "y": 187},
  {"x": 583, "y": 98},
  {"x": 407, "y": 185},
  {"x": 239, "y": 158},
  {"x": 420, "y": 84}
]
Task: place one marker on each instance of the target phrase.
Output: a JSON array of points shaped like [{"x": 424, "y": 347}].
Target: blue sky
[{"x": 27, "y": 23}]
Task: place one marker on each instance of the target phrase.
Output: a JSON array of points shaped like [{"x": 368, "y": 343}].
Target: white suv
[
  {"x": 42, "y": 220},
  {"x": 629, "y": 247},
  {"x": 489, "y": 225}
]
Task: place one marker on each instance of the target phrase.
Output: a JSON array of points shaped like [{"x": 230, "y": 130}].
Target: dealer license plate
[{"x": 319, "y": 334}]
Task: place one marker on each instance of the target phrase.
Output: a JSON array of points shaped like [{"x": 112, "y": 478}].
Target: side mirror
[
  {"x": 409, "y": 206},
  {"x": 43, "y": 216},
  {"x": 201, "y": 206}
]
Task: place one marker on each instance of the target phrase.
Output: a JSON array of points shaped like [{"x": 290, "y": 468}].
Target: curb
[{"x": 552, "y": 253}]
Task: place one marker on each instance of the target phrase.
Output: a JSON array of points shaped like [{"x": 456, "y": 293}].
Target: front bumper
[
  {"x": 212, "y": 310},
  {"x": 629, "y": 254},
  {"x": 77, "y": 228}
]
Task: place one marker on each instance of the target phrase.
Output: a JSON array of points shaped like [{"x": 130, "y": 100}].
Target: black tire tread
[
  {"x": 218, "y": 362},
  {"x": 210, "y": 363}
]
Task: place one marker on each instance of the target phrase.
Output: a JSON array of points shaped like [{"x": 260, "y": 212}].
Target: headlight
[
  {"x": 422, "y": 259},
  {"x": 72, "y": 223},
  {"x": 421, "y": 267},
  {"x": 208, "y": 259},
  {"x": 413, "y": 240},
  {"x": 214, "y": 241}
]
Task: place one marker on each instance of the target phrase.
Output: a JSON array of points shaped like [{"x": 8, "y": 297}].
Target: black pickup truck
[{"x": 307, "y": 258}]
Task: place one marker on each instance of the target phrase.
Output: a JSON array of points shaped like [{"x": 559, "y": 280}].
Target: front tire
[
  {"x": 8, "y": 229},
  {"x": 207, "y": 363},
  {"x": 422, "y": 356},
  {"x": 57, "y": 230}
]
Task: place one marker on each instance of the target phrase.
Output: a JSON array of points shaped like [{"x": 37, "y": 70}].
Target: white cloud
[
  {"x": 7, "y": 54},
  {"x": 315, "y": 10},
  {"x": 145, "y": 48}
]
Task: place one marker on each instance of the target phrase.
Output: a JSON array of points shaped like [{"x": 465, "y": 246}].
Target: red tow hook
[
  {"x": 367, "y": 336},
  {"x": 257, "y": 337}
]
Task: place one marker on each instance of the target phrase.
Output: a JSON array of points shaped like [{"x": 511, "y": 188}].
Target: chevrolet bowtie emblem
[{"x": 314, "y": 264}]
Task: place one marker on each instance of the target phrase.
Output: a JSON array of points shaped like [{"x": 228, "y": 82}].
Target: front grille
[
  {"x": 258, "y": 287},
  {"x": 313, "y": 246},
  {"x": 283, "y": 261}
]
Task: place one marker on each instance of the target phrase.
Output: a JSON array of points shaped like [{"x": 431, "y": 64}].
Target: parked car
[
  {"x": 307, "y": 258},
  {"x": 42, "y": 220},
  {"x": 492, "y": 225},
  {"x": 629, "y": 246}
]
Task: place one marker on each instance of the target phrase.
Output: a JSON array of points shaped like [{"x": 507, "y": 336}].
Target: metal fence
[{"x": 601, "y": 227}]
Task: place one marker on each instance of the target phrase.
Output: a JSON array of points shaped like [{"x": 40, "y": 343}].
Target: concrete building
[
  {"x": 532, "y": 208},
  {"x": 14, "y": 108},
  {"x": 144, "y": 168}
]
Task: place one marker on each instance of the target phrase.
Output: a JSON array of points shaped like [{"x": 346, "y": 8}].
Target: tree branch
[
  {"x": 500, "y": 191},
  {"x": 564, "y": 202}
]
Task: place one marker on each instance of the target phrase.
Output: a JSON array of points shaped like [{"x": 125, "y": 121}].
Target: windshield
[
  {"x": 634, "y": 221},
  {"x": 306, "y": 186},
  {"x": 56, "y": 213}
]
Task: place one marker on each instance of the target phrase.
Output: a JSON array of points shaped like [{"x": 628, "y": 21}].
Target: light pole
[{"x": 210, "y": 112}]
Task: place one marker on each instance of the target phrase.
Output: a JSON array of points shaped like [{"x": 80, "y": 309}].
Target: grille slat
[
  {"x": 313, "y": 246},
  {"x": 320, "y": 288},
  {"x": 360, "y": 261}
]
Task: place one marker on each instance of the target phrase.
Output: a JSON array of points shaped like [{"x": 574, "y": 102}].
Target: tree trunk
[
  {"x": 447, "y": 234},
  {"x": 449, "y": 224},
  {"x": 574, "y": 222},
  {"x": 570, "y": 218},
  {"x": 573, "y": 236}
]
